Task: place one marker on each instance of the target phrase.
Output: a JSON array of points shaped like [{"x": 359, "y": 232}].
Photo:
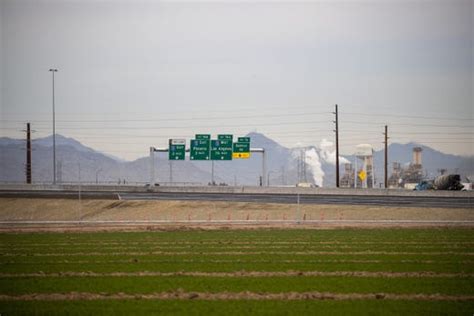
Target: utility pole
[
  {"x": 79, "y": 188},
  {"x": 28, "y": 154},
  {"x": 53, "y": 70},
  {"x": 386, "y": 158},
  {"x": 337, "y": 146}
]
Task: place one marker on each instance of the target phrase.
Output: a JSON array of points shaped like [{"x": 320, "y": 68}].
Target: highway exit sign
[
  {"x": 241, "y": 149},
  {"x": 177, "y": 149},
  {"x": 200, "y": 147},
  {"x": 221, "y": 149}
]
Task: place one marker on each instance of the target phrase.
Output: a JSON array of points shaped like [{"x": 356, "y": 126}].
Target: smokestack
[
  {"x": 348, "y": 167},
  {"x": 417, "y": 155},
  {"x": 396, "y": 167}
]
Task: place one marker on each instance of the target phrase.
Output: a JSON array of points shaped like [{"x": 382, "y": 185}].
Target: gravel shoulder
[{"x": 210, "y": 215}]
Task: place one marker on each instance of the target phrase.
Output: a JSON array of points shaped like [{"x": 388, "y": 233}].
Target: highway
[{"x": 397, "y": 201}]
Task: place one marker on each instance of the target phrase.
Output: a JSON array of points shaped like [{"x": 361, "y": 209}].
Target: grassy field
[{"x": 350, "y": 271}]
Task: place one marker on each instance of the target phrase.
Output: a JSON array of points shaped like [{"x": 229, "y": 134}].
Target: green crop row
[
  {"x": 345, "y": 236},
  {"x": 232, "y": 265},
  {"x": 72, "y": 248},
  {"x": 151, "y": 284},
  {"x": 245, "y": 307}
]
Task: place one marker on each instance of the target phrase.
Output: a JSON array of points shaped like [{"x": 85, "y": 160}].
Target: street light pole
[
  {"x": 53, "y": 70},
  {"x": 97, "y": 175}
]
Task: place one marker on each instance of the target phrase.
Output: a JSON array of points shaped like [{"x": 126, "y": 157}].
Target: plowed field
[{"x": 235, "y": 272}]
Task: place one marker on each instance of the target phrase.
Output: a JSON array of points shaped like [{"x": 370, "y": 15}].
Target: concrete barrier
[{"x": 235, "y": 190}]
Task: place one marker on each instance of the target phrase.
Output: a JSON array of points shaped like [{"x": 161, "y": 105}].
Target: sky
[{"x": 133, "y": 74}]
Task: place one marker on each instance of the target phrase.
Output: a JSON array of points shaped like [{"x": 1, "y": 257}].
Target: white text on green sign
[
  {"x": 200, "y": 149},
  {"x": 225, "y": 137},
  {"x": 177, "y": 149},
  {"x": 203, "y": 136},
  {"x": 221, "y": 149}
]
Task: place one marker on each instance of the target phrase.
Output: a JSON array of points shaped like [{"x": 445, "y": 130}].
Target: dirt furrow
[
  {"x": 272, "y": 261},
  {"x": 181, "y": 295},
  {"x": 239, "y": 253},
  {"x": 206, "y": 242},
  {"x": 239, "y": 274}
]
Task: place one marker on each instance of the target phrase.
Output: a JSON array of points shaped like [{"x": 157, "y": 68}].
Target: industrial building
[{"x": 409, "y": 176}]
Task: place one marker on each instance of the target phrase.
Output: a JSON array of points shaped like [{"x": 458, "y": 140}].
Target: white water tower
[{"x": 364, "y": 154}]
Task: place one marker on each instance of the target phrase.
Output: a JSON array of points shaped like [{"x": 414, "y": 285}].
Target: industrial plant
[
  {"x": 409, "y": 176},
  {"x": 363, "y": 176}
]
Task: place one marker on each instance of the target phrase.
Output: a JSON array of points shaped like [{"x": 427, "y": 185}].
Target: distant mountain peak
[
  {"x": 69, "y": 141},
  {"x": 260, "y": 139},
  {"x": 62, "y": 141}
]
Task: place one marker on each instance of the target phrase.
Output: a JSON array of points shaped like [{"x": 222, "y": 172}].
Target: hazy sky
[{"x": 134, "y": 73}]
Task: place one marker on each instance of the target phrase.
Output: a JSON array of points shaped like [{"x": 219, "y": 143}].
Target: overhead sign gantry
[{"x": 202, "y": 147}]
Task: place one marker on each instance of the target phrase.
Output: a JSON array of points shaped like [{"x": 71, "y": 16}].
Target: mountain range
[{"x": 285, "y": 166}]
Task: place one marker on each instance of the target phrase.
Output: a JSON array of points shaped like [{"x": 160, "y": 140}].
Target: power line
[
  {"x": 206, "y": 118},
  {"x": 410, "y": 116},
  {"x": 194, "y": 126},
  {"x": 180, "y": 110},
  {"x": 411, "y": 124}
]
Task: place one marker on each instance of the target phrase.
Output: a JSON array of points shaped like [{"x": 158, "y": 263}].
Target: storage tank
[
  {"x": 448, "y": 182},
  {"x": 364, "y": 152}
]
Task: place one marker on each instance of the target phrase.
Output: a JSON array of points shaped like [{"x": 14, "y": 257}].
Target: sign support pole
[
  {"x": 171, "y": 171},
  {"x": 152, "y": 166},
  {"x": 212, "y": 172}
]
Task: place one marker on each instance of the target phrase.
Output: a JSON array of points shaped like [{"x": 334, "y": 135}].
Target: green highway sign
[
  {"x": 221, "y": 149},
  {"x": 203, "y": 136},
  {"x": 177, "y": 149},
  {"x": 200, "y": 149},
  {"x": 225, "y": 137},
  {"x": 203, "y": 148},
  {"x": 241, "y": 147},
  {"x": 241, "y": 150}
]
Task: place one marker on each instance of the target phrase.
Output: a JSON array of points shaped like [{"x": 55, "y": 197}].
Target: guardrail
[{"x": 233, "y": 190}]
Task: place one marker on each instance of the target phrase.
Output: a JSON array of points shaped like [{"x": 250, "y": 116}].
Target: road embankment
[{"x": 20, "y": 213}]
